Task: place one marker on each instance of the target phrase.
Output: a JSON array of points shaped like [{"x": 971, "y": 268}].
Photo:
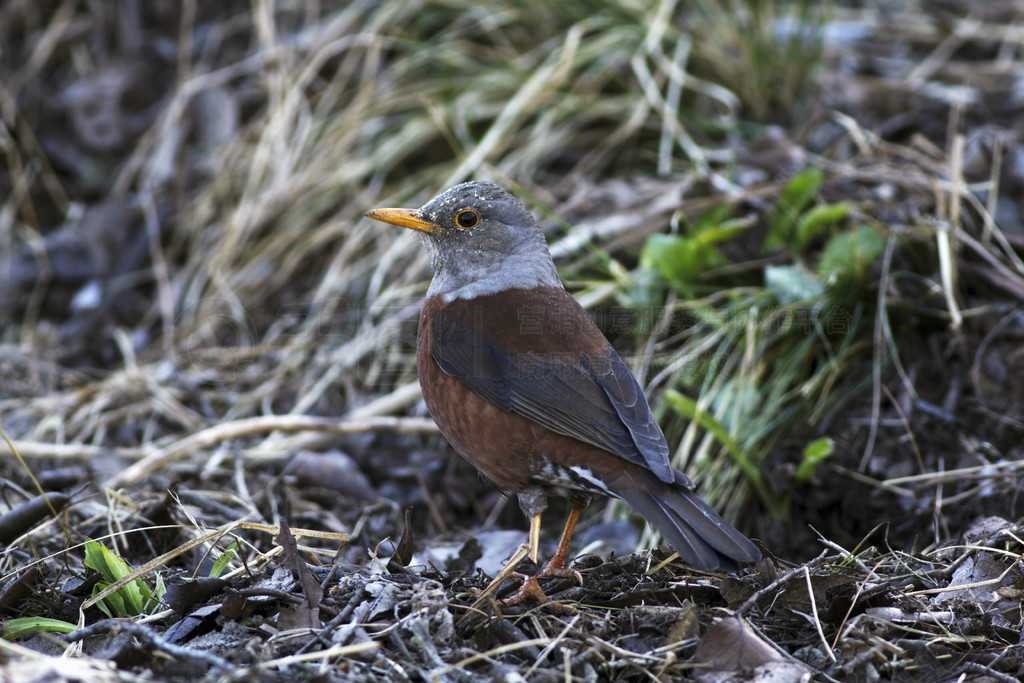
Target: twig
[
  {"x": 506, "y": 571},
  {"x": 74, "y": 451},
  {"x": 853, "y": 603},
  {"x": 258, "y": 425},
  {"x": 151, "y": 638},
  {"x": 775, "y": 585},
  {"x": 906, "y": 426},
  {"x": 511, "y": 647},
  {"x": 964, "y": 586},
  {"x": 336, "y": 651},
  {"x": 973, "y": 667},
  {"x": 977, "y": 472},
  {"x": 814, "y": 612},
  {"x": 551, "y": 646},
  {"x": 878, "y": 342}
]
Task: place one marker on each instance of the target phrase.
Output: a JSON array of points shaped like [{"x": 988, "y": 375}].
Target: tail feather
[{"x": 702, "y": 538}]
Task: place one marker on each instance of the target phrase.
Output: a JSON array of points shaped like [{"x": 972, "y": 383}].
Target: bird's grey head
[{"x": 481, "y": 239}]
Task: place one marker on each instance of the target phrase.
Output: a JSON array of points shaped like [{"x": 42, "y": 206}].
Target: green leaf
[
  {"x": 132, "y": 598},
  {"x": 26, "y": 626},
  {"x": 711, "y": 218},
  {"x": 790, "y": 284},
  {"x": 156, "y": 595},
  {"x": 647, "y": 292},
  {"x": 720, "y": 232},
  {"x": 99, "y": 558},
  {"x": 794, "y": 198},
  {"x": 224, "y": 560},
  {"x": 135, "y": 595},
  {"x": 801, "y": 188},
  {"x": 682, "y": 259},
  {"x": 112, "y": 605},
  {"x": 815, "y": 453},
  {"x": 816, "y": 220},
  {"x": 847, "y": 255}
]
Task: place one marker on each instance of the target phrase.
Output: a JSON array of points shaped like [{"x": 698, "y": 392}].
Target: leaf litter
[{"x": 207, "y": 357}]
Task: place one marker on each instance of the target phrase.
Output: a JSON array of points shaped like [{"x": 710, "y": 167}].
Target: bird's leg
[
  {"x": 556, "y": 565},
  {"x": 534, "y": 536}
]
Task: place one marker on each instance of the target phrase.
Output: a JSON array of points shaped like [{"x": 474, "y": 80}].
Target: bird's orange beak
[{"x": 406, "y": 218}]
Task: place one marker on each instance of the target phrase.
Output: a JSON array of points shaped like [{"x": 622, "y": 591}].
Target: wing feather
[{"x": 590, "y": 397}]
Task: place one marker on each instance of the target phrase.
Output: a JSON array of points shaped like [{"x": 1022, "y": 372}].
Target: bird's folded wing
[{"x": 593, "y": 398}]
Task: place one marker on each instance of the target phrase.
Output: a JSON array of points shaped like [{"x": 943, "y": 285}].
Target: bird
[{"x": 527, "y": 388}]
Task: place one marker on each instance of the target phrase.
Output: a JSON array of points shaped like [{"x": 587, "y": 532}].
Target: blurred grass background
[{"x": 247, "y": 139}]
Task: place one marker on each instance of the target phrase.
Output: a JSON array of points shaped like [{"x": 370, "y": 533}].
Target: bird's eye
[{"x": 467, "y": 219}]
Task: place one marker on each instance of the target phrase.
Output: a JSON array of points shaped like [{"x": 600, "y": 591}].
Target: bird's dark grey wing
[{"x": 590, "y": 397}]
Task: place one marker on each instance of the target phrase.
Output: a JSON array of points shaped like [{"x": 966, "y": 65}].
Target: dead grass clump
[{"x": 190, "y": 298}]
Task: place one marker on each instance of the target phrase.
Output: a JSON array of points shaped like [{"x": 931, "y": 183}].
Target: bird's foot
[
  {"x": 531, "y": 590},
  {"x": 556, "y": 568}
]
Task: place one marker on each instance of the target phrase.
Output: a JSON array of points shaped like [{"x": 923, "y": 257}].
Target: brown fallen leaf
[
  {"x": 730, "y": 645},
  {"x": 307, "y": 614},
  {"x": 403, "y": 551}
]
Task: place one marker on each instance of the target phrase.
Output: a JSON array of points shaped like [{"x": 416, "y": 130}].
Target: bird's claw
[
  {"x": 554, "y": 572},
  {"x": 577, "y": 576},
  {"x": 531, "y": 590}
]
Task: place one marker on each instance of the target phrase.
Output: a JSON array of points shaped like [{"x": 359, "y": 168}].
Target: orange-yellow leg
[
  {"x": 556, "y": 565},
  {"x": 534, "y": 536}
]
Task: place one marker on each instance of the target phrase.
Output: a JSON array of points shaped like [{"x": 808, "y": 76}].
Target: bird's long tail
[{"x": 702, "y": 538}]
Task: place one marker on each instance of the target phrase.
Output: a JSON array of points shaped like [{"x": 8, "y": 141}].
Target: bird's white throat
[{"x": 460, "y": 276}]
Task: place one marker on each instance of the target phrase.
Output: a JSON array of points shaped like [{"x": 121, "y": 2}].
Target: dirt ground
[{"x": 206, "y": 355}]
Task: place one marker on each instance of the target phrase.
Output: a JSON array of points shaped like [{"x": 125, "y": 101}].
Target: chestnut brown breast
[{"x": 522, "y": 380}]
